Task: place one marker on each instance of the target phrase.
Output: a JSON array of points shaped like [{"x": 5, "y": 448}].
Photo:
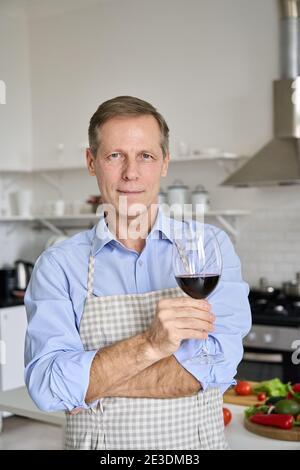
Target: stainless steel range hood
[{"x": 278, "y": 162}]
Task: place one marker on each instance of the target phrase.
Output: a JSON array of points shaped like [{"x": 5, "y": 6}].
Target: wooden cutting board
[
  {"x": 249, "y": 400},
  {"x": 273, "y": 433}
]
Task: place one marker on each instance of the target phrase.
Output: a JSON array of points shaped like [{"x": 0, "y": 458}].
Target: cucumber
[
  {"x": 274, "y": 400},
  {"x": 287, "y": 407}
]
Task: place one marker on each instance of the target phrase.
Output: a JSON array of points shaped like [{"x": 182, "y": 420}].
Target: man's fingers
[
  {"x": 186, "y": 302},
  {"x": 194, "y": 324},
  {"x": 193, "y": 334},
  {"x": 178, "y": 312}
]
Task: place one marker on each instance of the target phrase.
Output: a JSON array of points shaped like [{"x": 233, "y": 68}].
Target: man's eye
[
  {"x": 147, "y": 156},
  {"x": 114, "y": 156}
]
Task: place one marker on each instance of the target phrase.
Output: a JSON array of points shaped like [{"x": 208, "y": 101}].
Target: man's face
[{"x": 129, "y": 162}]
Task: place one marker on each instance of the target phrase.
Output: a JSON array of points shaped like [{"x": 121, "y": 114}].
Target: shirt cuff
[
  {"x": 210, "y": 376},
  {"x": 70, "y": 379}
]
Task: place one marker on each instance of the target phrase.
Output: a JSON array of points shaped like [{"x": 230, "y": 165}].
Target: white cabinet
[{"x": 13, "y": 324}]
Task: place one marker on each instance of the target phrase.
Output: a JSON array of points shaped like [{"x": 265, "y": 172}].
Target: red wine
[{"x": 197, "y": 286}]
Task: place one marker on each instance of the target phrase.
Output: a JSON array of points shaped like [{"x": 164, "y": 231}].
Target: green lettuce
[
  {"x": 253, "y": 410},
  {"x": 273, "y": 388}
]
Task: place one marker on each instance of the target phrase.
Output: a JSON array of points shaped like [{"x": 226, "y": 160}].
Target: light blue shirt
[{"x": 57, "y": 366}]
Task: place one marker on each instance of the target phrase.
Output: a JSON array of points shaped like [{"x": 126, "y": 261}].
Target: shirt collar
[{"x": 162, "y": 228}]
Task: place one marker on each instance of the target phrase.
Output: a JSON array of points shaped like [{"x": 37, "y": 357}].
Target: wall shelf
[
  {"x": 208, "y": 158},
  {"x": 228, "y": 162},
  {"x": 227, "y": 218},
  {"x": 87, "y": 217},
  {"x": 32, "y": 171}
]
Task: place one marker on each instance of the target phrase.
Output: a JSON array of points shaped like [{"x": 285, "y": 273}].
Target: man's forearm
[
  {"x": 164, "y": 379},
  {"x": 117, "y": 364}
]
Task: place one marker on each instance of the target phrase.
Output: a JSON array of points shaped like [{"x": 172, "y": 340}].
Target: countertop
[
  {"x": 240, "y": 439},
  {"x": 18, "y": 401}
]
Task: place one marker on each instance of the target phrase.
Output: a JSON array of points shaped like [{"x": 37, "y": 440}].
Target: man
[{"x": 111, "y": 337}]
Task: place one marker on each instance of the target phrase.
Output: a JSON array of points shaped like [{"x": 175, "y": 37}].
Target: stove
[
  {"x": 13, "y": 302},
  {"x": 272, "y": 348},
  {"x": 274, "y": 308}
]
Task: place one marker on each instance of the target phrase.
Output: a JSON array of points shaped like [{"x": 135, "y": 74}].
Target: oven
[{"x": 272, "y": 348}]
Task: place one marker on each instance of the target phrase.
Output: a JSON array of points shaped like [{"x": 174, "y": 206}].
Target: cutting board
[
  {"x": 273, "y": 433},
  {"x": 249, "y": 400}
]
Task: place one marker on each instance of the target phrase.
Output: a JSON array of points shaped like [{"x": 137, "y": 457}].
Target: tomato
[
  {"x": 289, "y": 396},
  {"x": 243, "y": 388},
  {"x": 296, "y": 388},
  {"x": 261, "y": 396},
  {"x": 226, "y": 416}
]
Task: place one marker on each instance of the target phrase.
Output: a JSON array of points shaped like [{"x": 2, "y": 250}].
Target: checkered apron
[{"x": 193, "y": 422}]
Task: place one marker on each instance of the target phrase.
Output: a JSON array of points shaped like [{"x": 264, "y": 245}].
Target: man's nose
[{"x": 130, "y": 170}]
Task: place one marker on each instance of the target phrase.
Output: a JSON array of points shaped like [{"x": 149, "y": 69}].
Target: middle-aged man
[{"x": 111, "y": 337}]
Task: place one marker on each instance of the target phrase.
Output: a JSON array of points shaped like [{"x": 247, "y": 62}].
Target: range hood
[{"x": 278, "y": 162}]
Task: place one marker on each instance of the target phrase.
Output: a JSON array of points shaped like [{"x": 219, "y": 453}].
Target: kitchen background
[{"x": 207, "y": 65}]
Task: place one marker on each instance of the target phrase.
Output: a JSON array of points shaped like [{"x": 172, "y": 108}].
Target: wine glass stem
[{"x": 205, "y": 347}]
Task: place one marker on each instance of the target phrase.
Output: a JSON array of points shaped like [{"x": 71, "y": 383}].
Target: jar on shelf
[
  {"x": 178, "y": 193},
  {"x": 200, "y": 196},
  {"x": 162, "y": 197}
]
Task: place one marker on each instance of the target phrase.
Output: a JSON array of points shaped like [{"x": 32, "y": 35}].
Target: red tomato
[
  {"x": 289, "y": 396},
  {"x": 243, "y": 388},
  {"x": 261, "y": 396},
  {"x": 296, "y": 388},
  {"x": 227, "y": 416}
]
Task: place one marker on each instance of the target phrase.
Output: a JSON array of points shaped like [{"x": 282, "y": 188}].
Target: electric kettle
[{"x": 23, "y": 273}]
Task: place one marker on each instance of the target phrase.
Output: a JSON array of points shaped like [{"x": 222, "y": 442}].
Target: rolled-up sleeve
[
  {"x": 57, "y": 367},
  {"x": 233, "y": 321}
]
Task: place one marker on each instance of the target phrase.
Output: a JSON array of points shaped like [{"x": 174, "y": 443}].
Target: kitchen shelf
[
  {"x": 79, "y": 217},
  {"x": 206, "y": 158},
  {"x": 227, "y": 218},
  {"x": 33, "y": 218},
  {"x": 31, "y": 171},
  {"x": 229, "y": 163}
]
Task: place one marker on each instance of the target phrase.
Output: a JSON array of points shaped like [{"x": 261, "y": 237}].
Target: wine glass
[{"x": 197, "y": 264}]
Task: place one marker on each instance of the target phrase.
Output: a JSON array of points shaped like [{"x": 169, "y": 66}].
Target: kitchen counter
[
  {"x": 18, "y": 402},
  {"x": 240, "y": 439}
]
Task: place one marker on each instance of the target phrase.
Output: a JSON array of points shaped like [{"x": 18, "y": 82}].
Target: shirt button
[{"x": 140, "y": 262}]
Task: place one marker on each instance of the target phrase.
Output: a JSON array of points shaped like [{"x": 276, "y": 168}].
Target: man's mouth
[{"x": 129, "y": 192}]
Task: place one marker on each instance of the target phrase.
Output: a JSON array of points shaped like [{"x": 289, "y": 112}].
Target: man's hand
[{"x": 177, "y": 319}]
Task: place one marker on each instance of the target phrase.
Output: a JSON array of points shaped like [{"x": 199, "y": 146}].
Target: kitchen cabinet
[{"x": 13, "y": 324}]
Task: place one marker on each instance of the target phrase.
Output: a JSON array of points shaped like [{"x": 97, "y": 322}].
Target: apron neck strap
[{"x": 90, "y": 284}]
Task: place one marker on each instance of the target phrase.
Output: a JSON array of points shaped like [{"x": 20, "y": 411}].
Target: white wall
[
  {"x": 207, "y": 65},
  {"x": 15, "y": 122},
  {"x": 15, "y": 115}
]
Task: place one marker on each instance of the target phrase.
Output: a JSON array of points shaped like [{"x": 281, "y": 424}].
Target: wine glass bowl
[{"x": 197, "y": 264}]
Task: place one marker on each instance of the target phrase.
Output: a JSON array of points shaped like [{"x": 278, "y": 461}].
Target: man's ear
[
  {"x": 165, "y": 166},
  {"x": 90, "y": 162}
]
